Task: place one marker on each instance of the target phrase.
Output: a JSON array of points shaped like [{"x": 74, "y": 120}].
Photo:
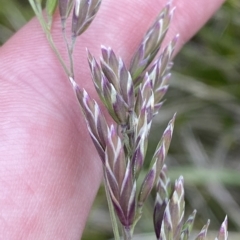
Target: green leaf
[{"x": 51, "y": 7}]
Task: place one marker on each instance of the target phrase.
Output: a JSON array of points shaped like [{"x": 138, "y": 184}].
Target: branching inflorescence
[{"x": 132, "y": 96}]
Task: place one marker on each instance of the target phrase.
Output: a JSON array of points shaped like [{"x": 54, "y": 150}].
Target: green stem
[
  {"x": 127, "y": 233},
  {"x": 36, "y": 6},
  {"x": 50, "y": 40},
  {"x": 69, "y": 49},
  {"x": 111, "y": 210},
  {"x": 137, "y": 217}
]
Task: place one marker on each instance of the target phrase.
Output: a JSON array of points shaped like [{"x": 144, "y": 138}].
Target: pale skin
[{"x": 49, "y": 169}]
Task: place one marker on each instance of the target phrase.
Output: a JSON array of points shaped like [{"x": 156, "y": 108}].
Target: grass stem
[{"x": 111, "y": 211}]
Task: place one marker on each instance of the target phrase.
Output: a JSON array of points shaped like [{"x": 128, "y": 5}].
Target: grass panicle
[{"x": 132, "y": 96}]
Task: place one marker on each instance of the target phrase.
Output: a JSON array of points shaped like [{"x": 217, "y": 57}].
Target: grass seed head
[
  {"x": 151, "y": 43},
  {"x": 203, "y": 233},
  {"x": 83, "y": 14},
  {"x": 188, "y": 225},
  {"x": 223, "y": 233}
]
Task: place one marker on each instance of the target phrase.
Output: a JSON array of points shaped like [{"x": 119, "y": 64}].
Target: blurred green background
[{"x": 205, "y": 93}]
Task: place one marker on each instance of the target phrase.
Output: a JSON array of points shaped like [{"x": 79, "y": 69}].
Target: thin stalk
[
  {"x": 137, "y": 217},
  {"x": 38, "y": 12},
  {"x": 50, "y": 40},
  {"x": 127, "y": 233},
  {"x": 111, "y": 211},
  {"x": 49, "y": 24},
  {"x": 69, "y": 50}
]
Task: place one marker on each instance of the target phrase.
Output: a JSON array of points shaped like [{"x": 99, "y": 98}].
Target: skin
[{"x": 50, "y": 171}]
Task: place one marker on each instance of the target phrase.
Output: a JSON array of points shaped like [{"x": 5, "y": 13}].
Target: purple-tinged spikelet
[
  {"x": 151, "y": 43},
  {"x": 203, "y": 233},
  {"x": 188, "y": 225},
  {"x": 174, "y": 212},
  {"x": 83, "y": 14},
  {"x": 96, "y": 123},
  {"x": 163, "y": 188},
  {"x": 223, "y": 233}
]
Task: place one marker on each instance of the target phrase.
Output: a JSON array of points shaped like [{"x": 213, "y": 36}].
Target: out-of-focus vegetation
[
  {"x": 13, "y": 15},
  {"x": 205, "y": 93}
]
